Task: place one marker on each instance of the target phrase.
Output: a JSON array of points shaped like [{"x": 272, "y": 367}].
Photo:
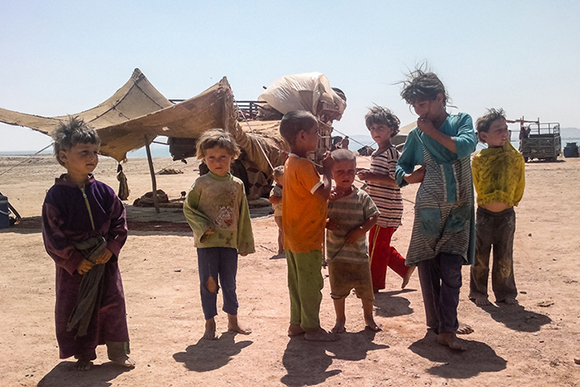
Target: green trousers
[{"x": 305, "y": 284}]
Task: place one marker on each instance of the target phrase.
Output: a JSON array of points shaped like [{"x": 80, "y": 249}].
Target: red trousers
[{"x": 382, "y": 254}]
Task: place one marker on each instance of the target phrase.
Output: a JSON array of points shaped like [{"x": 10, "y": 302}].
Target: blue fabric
[
  {"x": 460, "y": 127},
  {"x": 440, "y": 280},
  {"x": 219, "y": 263}
]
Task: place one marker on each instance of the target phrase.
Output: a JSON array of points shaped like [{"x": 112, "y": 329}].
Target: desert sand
[{"x": 535, "y": 343}]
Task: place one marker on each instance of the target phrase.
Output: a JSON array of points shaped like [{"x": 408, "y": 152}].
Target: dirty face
[
  {"x": 218, "y": 160},
  {"x": 430, "y": 109},
  {"x": 381, "y": 133},
  {"x": 498, "y": 134},
  {"x": 80, "y": 159},
  {"x": 343, "y": 173}
]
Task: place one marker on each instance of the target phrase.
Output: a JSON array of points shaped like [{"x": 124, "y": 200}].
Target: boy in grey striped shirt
[{"x": 351, "y": 213}]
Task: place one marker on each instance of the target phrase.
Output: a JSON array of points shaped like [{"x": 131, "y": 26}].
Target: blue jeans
[
  {"x": 440, "y": 280},
  {"x": 220, "y": 264}
]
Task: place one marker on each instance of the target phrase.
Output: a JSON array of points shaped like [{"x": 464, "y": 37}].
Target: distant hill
[{"x": 570, "y": 133}]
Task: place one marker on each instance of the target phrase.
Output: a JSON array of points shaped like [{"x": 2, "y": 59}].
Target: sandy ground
[{"x": 534, "y": 343}]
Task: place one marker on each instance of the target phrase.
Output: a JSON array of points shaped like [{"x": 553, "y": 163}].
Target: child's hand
[
  {"x": 209, "y": 231},
  {"x": 425, "y": 125},
  {"x": 335, "y": 195},
  {"x": 104, "y": 258},
  {"x": 85, "y": 266},
  {"x": 364, "y": 174},
  {"x": 332, "y": 224},
  {"x": 354, "y": 235},
  {"x": 327, "y": 163},
  {"x": 417, "y": 176}
]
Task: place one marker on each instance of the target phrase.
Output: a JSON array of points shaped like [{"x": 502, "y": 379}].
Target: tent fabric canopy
[{"x": 134, "y": 99}]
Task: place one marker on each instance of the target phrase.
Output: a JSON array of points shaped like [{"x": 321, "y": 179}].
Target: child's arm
[
  {"x": 360, "y": 231},
  {"x": 117, "y": 234},
  {"x": 56, "y": 243},
  {"x": 412, "y": 155},
  {"x": 199, "y": 222},
  {"x": 463, "y": 143},
  {"x": 323, "y": 192},
  {"x": 245, "y": 235},
  {"x": 377, "y": 178}
]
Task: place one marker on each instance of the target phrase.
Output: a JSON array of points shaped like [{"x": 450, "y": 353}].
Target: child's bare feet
[
  {"x": 372, "y": 325},
  {"x": 234, "y": 326},
  {"x": 83, "y": 365},
  {"x": 407, "y": 277},
  {"x": 320, "y": 335},
  {"x": 450, "y": 339},
  {"x": 339, "y": 327},
  {"x": 295, "y": 330},
  {"x": 127, "y": 362},
  {"x": 481, "y": 301},
  {"x": 209, "y": 333}
]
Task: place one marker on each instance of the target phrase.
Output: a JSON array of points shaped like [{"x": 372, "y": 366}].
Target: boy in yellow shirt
[
  {"x": 304, "y": 205},
  {"x": 499, "y": 179}
]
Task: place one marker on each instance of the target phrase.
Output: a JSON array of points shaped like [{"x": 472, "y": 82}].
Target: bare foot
[
  {"x": 127, "y": 362},
  {"x": 209, "y": 333},
  {"x": 407, "y": 277},
  {"x": 481, "y": 301},
  {"x": 464, "y": 330},
  {"x": 234, "y": 326},
  {"x": 320, "y": 335},
  {"x": 450, "y": 339},
  {"x": 372, "y": 325},
  {"x": 295, "y": 330},
  {"x": 83, "y": 365},
  {"x": 339, "y": 327}
]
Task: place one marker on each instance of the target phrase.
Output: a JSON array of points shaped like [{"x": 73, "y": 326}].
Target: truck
[{"x": 541, "y": 141}]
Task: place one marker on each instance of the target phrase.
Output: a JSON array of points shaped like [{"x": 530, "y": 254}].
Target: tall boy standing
[
  {"x": 84, "y": 228},
  {"x": 304, "y": 204},
  {"x": 499, "y": 179}
]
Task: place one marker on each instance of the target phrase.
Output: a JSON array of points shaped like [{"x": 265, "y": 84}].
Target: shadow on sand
[
  {"x": 387, "y": 304},
  {"x": 64, "y": 374},
  {"x": 516, "y": 317},
  {"x": 307, "y": 362},
  {"x": 209, "y": 355},
  {"x": 478, "y": 358}
]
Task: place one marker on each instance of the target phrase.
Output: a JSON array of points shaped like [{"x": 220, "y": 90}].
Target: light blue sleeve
[
  {"x": 412, "y": 155},
  {"x": 465, "y": 139}
]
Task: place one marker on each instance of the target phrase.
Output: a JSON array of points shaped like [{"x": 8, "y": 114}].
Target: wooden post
[{"x": 152, "y": 172}]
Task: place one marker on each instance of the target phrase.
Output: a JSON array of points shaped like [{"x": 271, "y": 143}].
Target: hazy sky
[{"x": 62, "y": 56}]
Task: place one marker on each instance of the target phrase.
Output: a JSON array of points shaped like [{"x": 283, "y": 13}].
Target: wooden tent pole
[{"x": 152, "y": 172}]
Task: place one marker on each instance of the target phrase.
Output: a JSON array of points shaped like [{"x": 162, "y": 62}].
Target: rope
[
  {"x": 252, "y": 131},
  {"x": 350, "y": 138},
  {"x": 28, "y": 158}
]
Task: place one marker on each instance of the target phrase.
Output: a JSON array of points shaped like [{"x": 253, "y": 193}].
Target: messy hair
[
  {"x": 382, "y": 116},
  {"x": 422, "y": 85},
  {"x": 216, "y": 138},
  {"x": 293, "y": 122},
  {"x": 72, "y": 132},
  {"x": 278, "y": 171},
  {"x": 343, "y": 155},
  {"x": 483, "y": 123}
]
